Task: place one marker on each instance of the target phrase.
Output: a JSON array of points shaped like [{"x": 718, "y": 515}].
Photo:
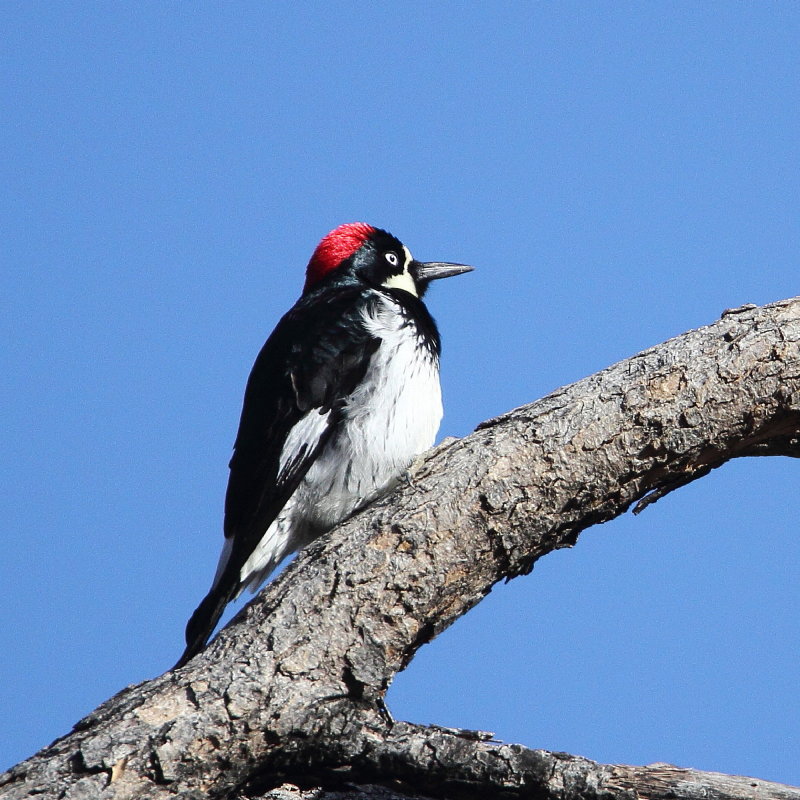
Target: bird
[{"x": 341, "y": 400}]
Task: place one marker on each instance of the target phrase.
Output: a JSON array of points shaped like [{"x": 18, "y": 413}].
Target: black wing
[{"x": 313, "y": 360}]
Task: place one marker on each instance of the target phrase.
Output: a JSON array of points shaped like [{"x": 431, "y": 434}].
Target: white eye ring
[{"x": 392, "y": 258}]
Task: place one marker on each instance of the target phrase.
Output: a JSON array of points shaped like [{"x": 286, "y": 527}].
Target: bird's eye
[{"x": 392, "y": 258}]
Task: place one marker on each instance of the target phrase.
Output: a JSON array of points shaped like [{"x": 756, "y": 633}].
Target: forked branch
[{"x": 292, "y": 690}]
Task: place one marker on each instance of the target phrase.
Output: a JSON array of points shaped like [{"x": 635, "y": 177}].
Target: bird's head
[{"x": 375, "y": 257}]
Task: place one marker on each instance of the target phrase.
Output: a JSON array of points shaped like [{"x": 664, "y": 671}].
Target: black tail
[{"x": 205, "y": 618}]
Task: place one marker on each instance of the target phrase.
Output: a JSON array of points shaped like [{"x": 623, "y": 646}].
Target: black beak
[{"x": 425, "y": 271}]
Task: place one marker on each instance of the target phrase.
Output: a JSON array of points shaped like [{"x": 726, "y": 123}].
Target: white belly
[
  {"x": 388, "y": 422},
  {"x": 391, "y": 417}
]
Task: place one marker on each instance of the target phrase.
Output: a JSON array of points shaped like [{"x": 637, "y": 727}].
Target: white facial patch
[{"x": 404, "y": 280}]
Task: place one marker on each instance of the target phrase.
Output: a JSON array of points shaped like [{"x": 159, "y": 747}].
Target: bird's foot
[
  {"x": 414, "y": 468},
  {"x": 418, "y": 466}
]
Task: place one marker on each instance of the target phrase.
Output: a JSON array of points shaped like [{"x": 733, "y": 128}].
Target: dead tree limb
[{"x": 292, "y": 690}]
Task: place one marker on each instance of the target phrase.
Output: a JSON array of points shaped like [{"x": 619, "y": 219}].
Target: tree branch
[
  {"x": 294, "y": 685},
  {"x": 460, "y": 766}
]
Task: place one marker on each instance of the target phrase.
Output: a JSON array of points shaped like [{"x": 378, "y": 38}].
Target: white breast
[{"x": 391, "y": 417}]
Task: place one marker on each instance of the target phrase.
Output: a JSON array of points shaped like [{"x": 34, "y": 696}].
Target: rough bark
[{"x": 290, "y": 694}]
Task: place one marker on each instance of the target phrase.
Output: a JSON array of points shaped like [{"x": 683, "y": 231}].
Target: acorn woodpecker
[{"x": 341, "y": 399}]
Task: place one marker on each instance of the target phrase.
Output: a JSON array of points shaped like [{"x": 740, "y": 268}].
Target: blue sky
[{"x": 618, "y": 172}]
